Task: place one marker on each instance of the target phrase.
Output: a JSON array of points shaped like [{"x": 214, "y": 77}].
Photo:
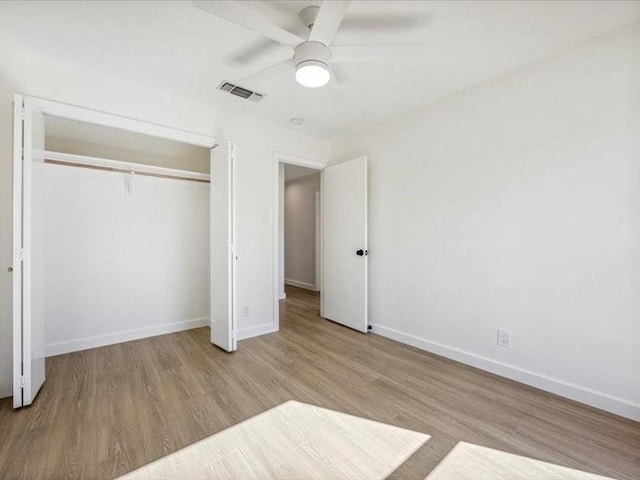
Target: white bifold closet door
[
  {"x": 223, "y": 255},
  {"x": 344, "y": 244},
  {"x": 28, "y": 261},
  {"x": 28, "y": 250}
]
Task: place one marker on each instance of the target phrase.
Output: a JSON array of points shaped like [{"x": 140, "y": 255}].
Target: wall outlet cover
[{"x": 504, "y": 338}]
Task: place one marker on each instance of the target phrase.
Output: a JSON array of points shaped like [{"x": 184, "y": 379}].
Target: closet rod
[{"x": 82, "y": 161}]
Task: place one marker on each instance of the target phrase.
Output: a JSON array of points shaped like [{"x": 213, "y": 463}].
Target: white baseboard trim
[
  {"x": 124, "y": 336},
  {"x": 6, "y": 393},
  {"x": 305, "y": 285},
  {"x": 256, "y": 331},
  {"x": 580, "y": 394},
  {"x": 283, "y": 296}
]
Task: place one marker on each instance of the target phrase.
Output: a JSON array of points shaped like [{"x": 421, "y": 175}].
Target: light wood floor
[
  {"x": 107, "y": 411},
  {"x": 294, "y": 441}
]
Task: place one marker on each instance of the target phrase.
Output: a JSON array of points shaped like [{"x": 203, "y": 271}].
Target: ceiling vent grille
[{"x": 240, "y": 91}]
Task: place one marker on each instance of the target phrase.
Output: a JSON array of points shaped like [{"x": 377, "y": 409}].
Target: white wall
[
  {"x": 255, "y": 146},
  {"x": 300, "y": 230},
  {"x": 116, "y": 266},
  {"x": 516, "y": 205}
]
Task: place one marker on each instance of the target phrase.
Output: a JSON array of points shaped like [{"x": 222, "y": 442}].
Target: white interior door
[
  {"x": 28, "y": 259},
  {"x": 223, "y": 256},
  {"x": 344, "y": 244}
]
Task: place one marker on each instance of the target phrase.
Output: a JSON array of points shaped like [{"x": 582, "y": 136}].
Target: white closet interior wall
[{"x": 120, "y": 264}]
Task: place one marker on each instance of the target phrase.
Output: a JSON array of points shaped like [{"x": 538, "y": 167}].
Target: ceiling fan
[{"x": 311, "y": 57}]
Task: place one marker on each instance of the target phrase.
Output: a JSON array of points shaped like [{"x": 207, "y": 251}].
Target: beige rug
[
  {"x": 473, "y": 462},
  {"x": 291, "y": 441}
]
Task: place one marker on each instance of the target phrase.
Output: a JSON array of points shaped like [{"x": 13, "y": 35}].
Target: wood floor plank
[{"x": 107, "y": 411}]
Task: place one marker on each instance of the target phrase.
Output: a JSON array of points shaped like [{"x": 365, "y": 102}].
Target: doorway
[
  {"x": 301, "y": 225},
  {"x": 341, "y": 255},
  {"x": 300, "y": 217},
  {"x": 297, "y": 226}
]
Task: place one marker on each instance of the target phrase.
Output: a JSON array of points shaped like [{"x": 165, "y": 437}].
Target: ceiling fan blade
[
  {"x": 246, "y": 17},
  {"x": 332, "y": 90},
  {"x": 329, "y": 17},
  {"x": 372, "y": 23},
  {"x": 262, "y": 48},
  {"x": 369, "y": 53},
  {"x": 267, "y": 73}
]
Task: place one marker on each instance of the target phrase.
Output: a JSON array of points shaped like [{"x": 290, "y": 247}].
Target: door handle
[{"x": 361, "y": 252}]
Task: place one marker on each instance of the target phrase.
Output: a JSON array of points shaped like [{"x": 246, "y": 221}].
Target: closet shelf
[{"x": 83, "y": 161}]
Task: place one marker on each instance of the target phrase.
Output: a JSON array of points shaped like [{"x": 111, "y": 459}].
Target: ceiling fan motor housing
[{"x": 312, "y": 52}]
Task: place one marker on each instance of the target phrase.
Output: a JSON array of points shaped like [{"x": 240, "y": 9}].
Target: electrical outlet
[
  {"x": 245, "y": 311},
  {"x": 504, "y": 338}
]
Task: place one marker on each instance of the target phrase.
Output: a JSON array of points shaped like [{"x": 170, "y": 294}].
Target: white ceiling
[
  {"x": 178, "y": 48},
  {"x": 293, "y": 172}
]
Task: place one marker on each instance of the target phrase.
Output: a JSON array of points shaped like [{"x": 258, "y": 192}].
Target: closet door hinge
[
  {"x": 22, "y": 254},
  {"x": 22, "y": 382}
]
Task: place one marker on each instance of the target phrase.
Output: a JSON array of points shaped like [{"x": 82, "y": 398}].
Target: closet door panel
[
  {"x": 28, "y": 301},
  {"x": 223, "y": 256}
]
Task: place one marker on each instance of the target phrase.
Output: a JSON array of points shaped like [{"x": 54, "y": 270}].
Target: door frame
[
  {"x": 86, "y": 115},
  {"x": 318, "y": 241},
  {"x": 280, "y": 158}
]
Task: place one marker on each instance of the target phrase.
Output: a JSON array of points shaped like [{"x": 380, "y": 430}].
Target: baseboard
[
  {"x": 256, "y": 331},
  {"x": 305, "y": 285},
  {"x": 6, "y": 393},
  {"x": 124, "y": 336},
  {"x": 283, "y": 296},
  {"x": 580, "y": 394}
]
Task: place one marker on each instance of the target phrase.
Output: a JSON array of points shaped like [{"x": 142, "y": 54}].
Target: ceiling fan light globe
[{"x": 312, "y": 74}]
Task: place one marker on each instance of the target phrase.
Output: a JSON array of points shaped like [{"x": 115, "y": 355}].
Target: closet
[
  {"x": 122, "y": 230},
  {"x": 122, "y": 224}
]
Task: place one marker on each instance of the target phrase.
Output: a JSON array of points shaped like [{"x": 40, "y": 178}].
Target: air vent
[{"x": 240, "y": 91}]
